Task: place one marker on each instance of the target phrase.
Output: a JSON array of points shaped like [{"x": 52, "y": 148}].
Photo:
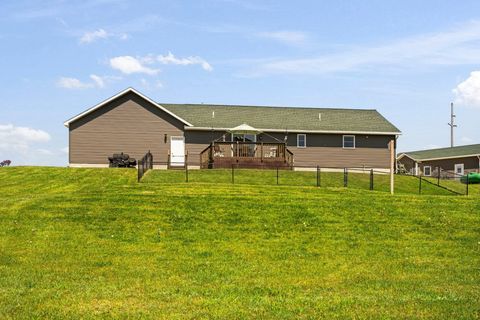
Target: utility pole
[{"x": 452, "y": 124}]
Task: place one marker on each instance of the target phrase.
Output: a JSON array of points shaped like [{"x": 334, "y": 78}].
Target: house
[
  {"x": 453, "y": 161},
  {"x": 221, "y": 135}
]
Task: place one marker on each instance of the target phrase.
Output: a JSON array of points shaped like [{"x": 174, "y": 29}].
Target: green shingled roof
[
  {"x": 473, "y": 149},
  {"x": 283, "y": 118}
]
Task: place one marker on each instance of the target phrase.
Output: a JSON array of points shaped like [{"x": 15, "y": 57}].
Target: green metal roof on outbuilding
[
  {"x": 283, "y": 118},
  {"x": 444, "y": 153}
]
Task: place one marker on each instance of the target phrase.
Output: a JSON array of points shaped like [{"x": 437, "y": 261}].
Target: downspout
[{"x": 478, "y": 164}]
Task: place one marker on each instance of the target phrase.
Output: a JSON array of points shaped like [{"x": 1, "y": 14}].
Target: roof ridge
[
  {"x": 443, "y": 148},
  {"x": 264, "y": 106}
]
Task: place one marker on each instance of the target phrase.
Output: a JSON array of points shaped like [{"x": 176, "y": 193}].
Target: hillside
[{"x": 93, "y": 243}]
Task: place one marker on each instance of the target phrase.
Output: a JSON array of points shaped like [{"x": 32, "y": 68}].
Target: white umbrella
[{"x": 245, "y": 129}]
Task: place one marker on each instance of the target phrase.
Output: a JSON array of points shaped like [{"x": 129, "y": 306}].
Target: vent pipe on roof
[
  {"x": 320, "y": 116},
  {"x": 213, "y": 114}
]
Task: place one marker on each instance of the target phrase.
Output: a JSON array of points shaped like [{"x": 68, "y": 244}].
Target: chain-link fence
[{"x": 354, "y": 178}]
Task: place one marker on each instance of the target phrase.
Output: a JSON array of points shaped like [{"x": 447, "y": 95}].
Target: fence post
[
  {"x": 420, "y": 185},
  {"x": 277, "y": 175},
  {"x": 318, "y": 176},
  {"x": 139, "y": 175},
  {"x": 345, "y": 177},
  {"x": 438, "y": 176},
  {"x": 233, "y": 174},
  {"x": 186, "y": 171},
  {"x": 371, "y": 179},
  {"x": 468, "y": 182}
]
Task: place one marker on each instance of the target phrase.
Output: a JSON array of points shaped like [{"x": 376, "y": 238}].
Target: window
[
  {"x": 459, "y": 168},
  {"x": 301, "y": 140},
  {"x": 349, "y": 142},
  {"x": 427, "y": 171}
]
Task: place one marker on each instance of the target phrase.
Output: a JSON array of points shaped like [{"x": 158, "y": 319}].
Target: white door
[
  {"x": 459, "y": 169},
  {"x": 177, "y": 151}
]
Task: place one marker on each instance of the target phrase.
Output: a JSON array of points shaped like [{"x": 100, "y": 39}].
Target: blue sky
[{"x": 408, "y": 59}]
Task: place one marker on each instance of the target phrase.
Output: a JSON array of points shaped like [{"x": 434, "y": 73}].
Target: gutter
[{"x": 297, "y": 131}]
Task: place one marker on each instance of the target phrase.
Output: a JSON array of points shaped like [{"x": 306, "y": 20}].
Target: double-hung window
[
  {"x": 348, "y": 142},
  {"x": 301, "y": 140},
  {"x": 427, "y": 171}
]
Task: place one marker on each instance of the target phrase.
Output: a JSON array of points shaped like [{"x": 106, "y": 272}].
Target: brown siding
[
  {"x": 129, "y": 124},
  {"x": 324, "y": 150},
  {"x": 132, "y": 125},
  {"x": 408, "y": 163},
  {"x": 469, "y": 163},
  {"x": 331, "y": 157},
  {"x": 197, "y": 141}
]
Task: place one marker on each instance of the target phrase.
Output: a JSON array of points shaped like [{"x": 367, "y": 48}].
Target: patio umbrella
[{"x": 244, "y": 129}]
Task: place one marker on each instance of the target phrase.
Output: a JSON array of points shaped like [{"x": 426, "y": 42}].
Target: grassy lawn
[
  {"x": 93, "y": 243},
  {"x": 267, "y": 178}
]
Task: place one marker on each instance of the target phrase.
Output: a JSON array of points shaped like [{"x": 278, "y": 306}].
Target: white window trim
[
  {"x": 461, "y": 165},
  {"x": 304, "y": 140},
  {"x": 343, "y": 141},
  {"x": 429, "y": 169}
]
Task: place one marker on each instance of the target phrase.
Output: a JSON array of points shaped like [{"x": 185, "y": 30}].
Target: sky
[{"x": 407, "y": 59}]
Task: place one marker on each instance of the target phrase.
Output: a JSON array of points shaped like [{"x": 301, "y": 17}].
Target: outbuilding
[{"x": 453, "y": 161}]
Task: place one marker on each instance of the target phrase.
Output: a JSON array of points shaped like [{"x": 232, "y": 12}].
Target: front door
[
  {"x": 177, "y": 151},
  {"x": 459, "y": 169}
]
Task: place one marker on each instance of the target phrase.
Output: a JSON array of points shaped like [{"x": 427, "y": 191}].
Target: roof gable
[{"x": 118, "y": 95}]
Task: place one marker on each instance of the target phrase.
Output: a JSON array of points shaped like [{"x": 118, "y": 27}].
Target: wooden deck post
[
  {"x": 210, "y": 156},
  {"x": 261, "y": 152}
]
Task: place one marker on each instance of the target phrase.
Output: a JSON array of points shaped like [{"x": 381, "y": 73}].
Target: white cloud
[
  {"x": 466, "y": 139},
  {"x": 19, "y": 139},
  {"x": 148, "y": 85},
  {"x": 192, "y": 60},
  {"x": 29, "y": 146},
  {"x": 467, "y": 93},
  {"x": 96, "y": 82},
  {"x": 294, "y": 38},
  {"x": 460, "y": 46},
  {"x": 99, "y": 81},
  {"x": 129, "y": 65},
  {"x": 92, "y": 36},
  {"x": 44, "y": 152},
  {"x": 72, "y": 83}
]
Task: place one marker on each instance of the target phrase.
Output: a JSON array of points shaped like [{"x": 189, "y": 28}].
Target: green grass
[
  {"x": 93, "y": 243},
  {"x": 267, "y": 178},
  {"x": 457, "y": 186}
]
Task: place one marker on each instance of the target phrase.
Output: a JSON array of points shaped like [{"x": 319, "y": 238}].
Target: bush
[{"x": 5, "y": 163}]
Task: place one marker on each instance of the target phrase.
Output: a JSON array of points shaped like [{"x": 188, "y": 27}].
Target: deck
[{"x": 224, "y": 154}]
